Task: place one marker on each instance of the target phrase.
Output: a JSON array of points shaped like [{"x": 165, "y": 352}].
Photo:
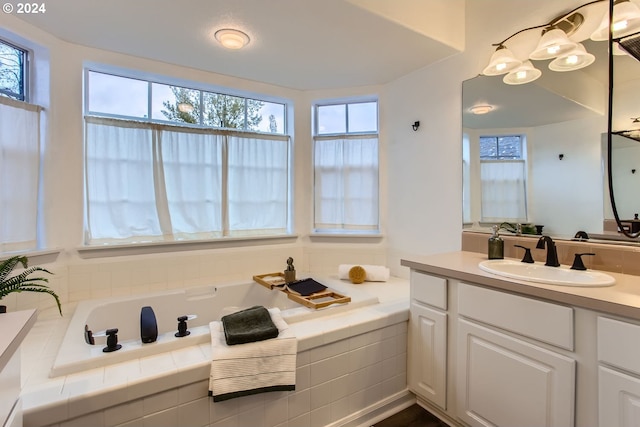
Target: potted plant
[{"x": 23, "y": 282}]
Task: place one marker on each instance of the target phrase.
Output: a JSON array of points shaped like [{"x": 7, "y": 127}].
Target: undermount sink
[{"x": 541, "y": 273}]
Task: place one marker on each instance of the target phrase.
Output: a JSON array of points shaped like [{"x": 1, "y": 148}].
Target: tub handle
[
  {"x": 112, "y": 339},
  {"x": 88, "y": 336},
  {"x": 182, "y": 325}
]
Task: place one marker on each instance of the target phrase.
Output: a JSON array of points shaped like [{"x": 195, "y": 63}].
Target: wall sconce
[
  {"x": 415, "y": 125},
  {"x": 555, "y": 42}
]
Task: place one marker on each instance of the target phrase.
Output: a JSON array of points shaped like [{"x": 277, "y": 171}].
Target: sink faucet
[{"x": 552, "y": 254}]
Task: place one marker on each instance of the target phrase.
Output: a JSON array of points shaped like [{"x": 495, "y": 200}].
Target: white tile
[
  {"x": 95, "y": 419},
  {"x": 83, "y": 382},
  {"x": 389, "y": 347},
  {"x": 299, "y": 403},
  {"x": 168, "y": 418},
  {"x": 227, "y": 422},
  {"x": 302, "y": 378},
  {"x": 44, "y": 406},
  {"x": 340, "y": 387},
  {"x": 303, "y": 358},
  {"x": 339, "y": 409},
  {"x": 160, "y": 401},
  {"x": 252, "y": 417},
  {"x": 302, "y": 420},
  {"x": 193, "y": 391},
  {"x": 194, "y": 413},
  {"x": 320, "y": 417},
  {"x": 321, "y": 395},
  {"x": 276, "y": 411},
  {"x": 221, "y": 410},
  {"x": 122, "y": 373},
  {"x": 124, "y": 413},
  {"x": 328, "y": 351}
]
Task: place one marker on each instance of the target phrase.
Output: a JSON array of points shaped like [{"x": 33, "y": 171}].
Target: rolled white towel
[{"x": 374, "y": 273}]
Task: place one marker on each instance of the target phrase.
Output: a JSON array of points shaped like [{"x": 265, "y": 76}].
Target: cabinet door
[
  {"x": 504, "y": 381},
  {"x": 427, "y": 365},
  {"x": 619, "y": 398}
]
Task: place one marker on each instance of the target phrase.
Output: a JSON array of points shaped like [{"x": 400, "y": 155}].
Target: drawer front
[
  {"x": 619, "y": 344},
  {"x": 430, "y": 290},
  {"x": 542, "y": 321}
]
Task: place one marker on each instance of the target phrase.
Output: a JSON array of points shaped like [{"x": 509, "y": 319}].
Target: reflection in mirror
[{"x": 560, "y": 118}]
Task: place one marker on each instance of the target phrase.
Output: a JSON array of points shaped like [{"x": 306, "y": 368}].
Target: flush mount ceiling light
[
  {"x": 232, "y": 39},
  {"x": 502, "y": 61},
  {"x": 626, "y": 20},
  {"x": 525, "y": 73},
  {"x": 481, "y": 109},
  {"x": 572, "y": 60}
]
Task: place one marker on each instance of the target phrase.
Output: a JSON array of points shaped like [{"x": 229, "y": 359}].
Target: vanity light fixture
[
  {"x": 626, "y": 21},
  {"x": 232, "y": 39},
  {"x": 481, "y": 109},
  {"x": 525, "y": 73},
  {"x": 560, "y": 41}
]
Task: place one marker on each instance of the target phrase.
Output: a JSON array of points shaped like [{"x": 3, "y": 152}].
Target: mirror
[{"x": 562, "y": 117}]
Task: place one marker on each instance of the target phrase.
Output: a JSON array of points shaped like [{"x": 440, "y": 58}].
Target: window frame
[
  {"x": 25, "y": 71},
  {"x": 344, "y": 232}
]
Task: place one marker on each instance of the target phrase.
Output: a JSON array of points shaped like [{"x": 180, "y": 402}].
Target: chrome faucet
[{"x": 552, "y": 254}]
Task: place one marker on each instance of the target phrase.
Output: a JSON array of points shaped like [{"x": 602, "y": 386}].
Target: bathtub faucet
[
  {"x": 148, "y": 325},
  {"x": 182, "y": 325}
]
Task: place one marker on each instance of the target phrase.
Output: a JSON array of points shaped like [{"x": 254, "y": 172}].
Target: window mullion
[{"x": 224, "y": 205}]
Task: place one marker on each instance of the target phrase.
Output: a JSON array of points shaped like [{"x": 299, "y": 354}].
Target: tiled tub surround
[
  {"x": 351, "y": 369},
  {"x": 609, "y": 257}
]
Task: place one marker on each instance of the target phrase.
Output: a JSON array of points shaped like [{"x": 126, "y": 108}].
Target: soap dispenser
[{"x": 496, "y": 245}]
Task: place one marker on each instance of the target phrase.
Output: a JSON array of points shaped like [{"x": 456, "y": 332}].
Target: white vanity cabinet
[
  {"x": 504, "y": 377},
  {"x": 618, "y": 373},
  {"x": 427, "y": 356}
]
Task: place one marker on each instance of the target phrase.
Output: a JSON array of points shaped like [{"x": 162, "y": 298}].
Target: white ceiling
[{"x": 299, "y": 44}]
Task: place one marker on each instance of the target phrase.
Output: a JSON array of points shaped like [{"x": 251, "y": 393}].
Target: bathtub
[{"x": 208, "y": 303}]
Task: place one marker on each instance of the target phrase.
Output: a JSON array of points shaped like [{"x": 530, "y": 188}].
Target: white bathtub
[{"x": 209, "y": 303}]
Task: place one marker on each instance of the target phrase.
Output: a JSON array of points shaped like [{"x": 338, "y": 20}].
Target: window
[
  {"x": 503, "y": 172},
  {"x": 346, "y": 167},
  {"x": 13, "y": 71},
  {"x": 173, "y": 163}
]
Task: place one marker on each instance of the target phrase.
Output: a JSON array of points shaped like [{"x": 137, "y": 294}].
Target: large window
[
  {"x": 346, "y": 167},
  {"x": 13, "y": 71},
  {"x": 503, "y": 173},
  {"x": 168, "y": 163}
]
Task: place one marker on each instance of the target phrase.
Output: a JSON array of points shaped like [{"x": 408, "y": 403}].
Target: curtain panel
[
  {"x": 154, "y": 182},
  {"x": 346, "y": 183},
  {"x": 503, "y": 184},
  {"x": 19, "y": 174}
]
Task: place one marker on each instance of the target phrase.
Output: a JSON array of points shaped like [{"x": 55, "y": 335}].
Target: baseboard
[
  {"x": 378, "y": 411},
  {"x": 437, "y": 412}
]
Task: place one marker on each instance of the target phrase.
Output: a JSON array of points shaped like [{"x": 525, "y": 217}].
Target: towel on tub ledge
[
  {"x": 374, "y": 273},
  {"x": 255, "y": 367},
  {"x": 249, "y": 325}
]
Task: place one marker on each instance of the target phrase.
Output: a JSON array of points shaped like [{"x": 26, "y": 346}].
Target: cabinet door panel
[
  {"x": 428, "y": 353},
  {"x": 504, "y": 381},
  {"x": 619, "y": 399}
]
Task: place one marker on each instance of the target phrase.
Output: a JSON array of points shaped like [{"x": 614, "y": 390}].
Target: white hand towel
[
  {"x": 374, "y": 273},
  {"x": 256, "y": 367}
]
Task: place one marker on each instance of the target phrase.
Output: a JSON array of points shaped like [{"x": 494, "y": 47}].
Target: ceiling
[{"x": 298, "y": 44}]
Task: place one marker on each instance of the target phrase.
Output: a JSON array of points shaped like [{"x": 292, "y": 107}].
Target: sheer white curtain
[
  {"x": 346, "y": 183},
  {"x": 19, "y": 174},
  {"x": 503, "y": 190},
  {"x": 149, "y": 182}
]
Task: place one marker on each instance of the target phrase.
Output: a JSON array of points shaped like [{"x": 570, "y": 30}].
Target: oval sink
[{"x": 540, "y": 273}]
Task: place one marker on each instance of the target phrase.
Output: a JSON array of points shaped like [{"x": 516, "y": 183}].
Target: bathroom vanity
[
  {"x": 486, "y": 350},
  {"x": 15, "y": 327}
]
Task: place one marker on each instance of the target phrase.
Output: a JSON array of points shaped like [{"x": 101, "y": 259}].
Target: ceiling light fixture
[
  {"x": 232, "y": 39},
  {"x": 481, "y": 109},
  {"x": 572, "y": 60},
  {"x": 502, "y": 61},
  {"x": 553, "y": 43}
]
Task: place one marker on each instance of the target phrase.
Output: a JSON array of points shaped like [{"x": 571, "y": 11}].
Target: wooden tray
[{"x": 315, "y": 301}]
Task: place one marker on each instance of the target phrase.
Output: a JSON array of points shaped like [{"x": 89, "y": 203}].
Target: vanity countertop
[
  {"x": 621, "y": 299},
  {"x": 15, "y": 327}
]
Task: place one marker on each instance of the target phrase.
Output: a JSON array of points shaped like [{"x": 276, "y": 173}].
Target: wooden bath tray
[{"x": 315, "y": 301}]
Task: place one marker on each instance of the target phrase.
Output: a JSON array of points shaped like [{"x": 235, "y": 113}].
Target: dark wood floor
[{"x": 413, "y": 416}]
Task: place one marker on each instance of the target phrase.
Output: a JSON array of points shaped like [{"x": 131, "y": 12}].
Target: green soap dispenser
[{"x": 496, "y": 245}]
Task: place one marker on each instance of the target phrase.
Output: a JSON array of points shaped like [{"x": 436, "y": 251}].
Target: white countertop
[
  {"x": 621, "y": 299},
  {"x": 15, "y": 327}
]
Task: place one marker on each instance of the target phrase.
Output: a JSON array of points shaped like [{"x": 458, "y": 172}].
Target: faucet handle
[
  {"x": 527, "y": 254},
  {"x": 577, "y": 261}
]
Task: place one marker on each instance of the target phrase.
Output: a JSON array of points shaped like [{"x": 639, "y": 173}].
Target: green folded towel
[{"x": 250, "y": 325}]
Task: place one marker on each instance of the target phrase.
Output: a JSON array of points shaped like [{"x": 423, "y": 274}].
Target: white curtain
[
  {"x": 19, "y": 174},
  {"x": 346, "y": 183},
  {"x": 503, "y": 190},
  {"x": 149, "y": 182}
]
